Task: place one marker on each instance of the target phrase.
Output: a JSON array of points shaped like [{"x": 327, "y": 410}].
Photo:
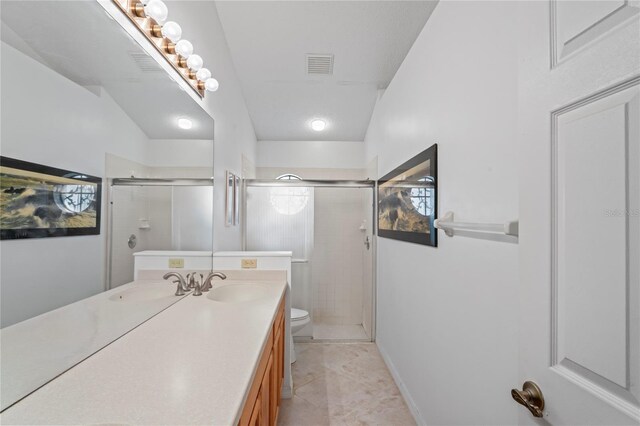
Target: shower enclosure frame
[
  {"x": 140, "y": 182},
  {"x": 326, "y": 183}
]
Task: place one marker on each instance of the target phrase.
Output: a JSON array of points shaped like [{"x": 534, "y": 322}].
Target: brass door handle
[{"x": 531, "y": 397}]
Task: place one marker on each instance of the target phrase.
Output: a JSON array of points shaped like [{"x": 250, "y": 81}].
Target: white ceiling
[
  {"x": 80, "y": 41},
  {"x": 269, "y": 40}
]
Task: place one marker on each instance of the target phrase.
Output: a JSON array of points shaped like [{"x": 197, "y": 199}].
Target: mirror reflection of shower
[{"x": 167, "y": 217}]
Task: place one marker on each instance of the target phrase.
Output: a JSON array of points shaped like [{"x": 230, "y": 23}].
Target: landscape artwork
[
  {"x": 38, "y": 201},
  {"x": 407, "y": 200}
]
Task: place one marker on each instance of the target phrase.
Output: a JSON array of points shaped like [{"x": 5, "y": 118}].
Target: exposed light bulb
[
  {"x": 318, "y": 125},
  {"x": 211, "y": 84},
  {"x": 156, "y": 10},
  {"x": 172, "y": 31},
  {"x": 203, "y": 74},
  {"x": 194, "y": 62},
  {"x": 184, "y": 48},
  {"x": 185, "y": 123}
]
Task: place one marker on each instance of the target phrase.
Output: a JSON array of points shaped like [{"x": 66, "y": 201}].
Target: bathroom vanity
[
  {"x": 213, "y": 359},
  {"x": 263, "y": 401}
]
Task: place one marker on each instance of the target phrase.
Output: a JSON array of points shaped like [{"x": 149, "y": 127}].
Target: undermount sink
[
  {"x": 143, "y": 294},
  {"x": 238, "y": 293}
]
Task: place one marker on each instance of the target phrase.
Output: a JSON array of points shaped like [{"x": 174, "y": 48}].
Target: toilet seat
[{"x": 299, "y": 314}]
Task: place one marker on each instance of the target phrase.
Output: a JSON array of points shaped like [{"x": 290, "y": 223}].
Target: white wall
[
  {"x": 57, "y": 123},
  {"x": 187, "y": 153},
  {"x": 234, "y": 135},
  {"x": 311, "y": 154},
  {"x": 447, "y": 316}
]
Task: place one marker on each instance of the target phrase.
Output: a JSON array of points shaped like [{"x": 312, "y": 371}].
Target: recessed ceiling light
[
  {"x": 318, "y": 125},
  {"x": 185, "y": 123}
]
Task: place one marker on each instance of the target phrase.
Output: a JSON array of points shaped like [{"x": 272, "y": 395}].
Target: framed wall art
[
  {"x": 39, "y": 201},
  {"x": 407, "y": 200}
]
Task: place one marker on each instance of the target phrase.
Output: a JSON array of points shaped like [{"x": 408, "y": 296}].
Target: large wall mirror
[{"x": 80, "y": 95}]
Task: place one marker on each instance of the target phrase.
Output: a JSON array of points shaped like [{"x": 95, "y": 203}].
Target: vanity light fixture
[
  {"x": 211, "y": 84},
  {"x": 156, "y": 10},
  {"x": 150, "y": 17},
  {"x": 172, "y": 31},
  {"x": 194, "y": 62},
  {"x": 318, "y": 125},
  {"x": 184, "y": 48},
  {"x": 185, "y": 123},
  {"x": 203, "y": 74}
]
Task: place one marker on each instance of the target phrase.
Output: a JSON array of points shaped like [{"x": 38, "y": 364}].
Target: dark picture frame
[
  {"x": 38, "y": 201},
  {"x": 408, "y": 200}
]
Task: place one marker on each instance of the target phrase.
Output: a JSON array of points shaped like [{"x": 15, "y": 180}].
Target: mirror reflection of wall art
[
  {"x": 229, "y": 204},
  {"x": 40, "y": 201},
  {"x": 407, "y": 200}
]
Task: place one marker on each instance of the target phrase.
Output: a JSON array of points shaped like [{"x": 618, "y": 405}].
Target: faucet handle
[
  {"x": 197, "y": 289},
  {"x": 179, "y": 290},
  {"x": 203, "y": 284},
  {"x": 191, "y": 279}
]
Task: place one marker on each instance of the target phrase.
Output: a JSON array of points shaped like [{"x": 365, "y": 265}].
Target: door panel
[
  {"x": 579, "y": 189},
  {"x": 596, "y": 169},
  {"x": 576, "y": 24}
]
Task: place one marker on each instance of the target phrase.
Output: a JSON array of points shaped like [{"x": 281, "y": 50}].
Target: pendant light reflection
[
  {"x": 318, "y": 125},
  {"x": 185, "y": 123}
]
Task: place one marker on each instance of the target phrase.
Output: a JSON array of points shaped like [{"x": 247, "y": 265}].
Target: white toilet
[{"x": 299, "y": 319}]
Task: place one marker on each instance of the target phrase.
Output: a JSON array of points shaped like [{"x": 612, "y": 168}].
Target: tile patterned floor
[
  {"x": 324, "y": 331},
  {"x": 343, "y": 384}
]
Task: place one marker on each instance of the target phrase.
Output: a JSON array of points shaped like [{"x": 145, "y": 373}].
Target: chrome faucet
[
  {"x": 182, "y": 284},
  {"x": 206, "y": 285}
]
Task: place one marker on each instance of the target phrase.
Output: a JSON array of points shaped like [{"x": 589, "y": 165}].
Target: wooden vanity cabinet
[{"x": 263, "y": 401}]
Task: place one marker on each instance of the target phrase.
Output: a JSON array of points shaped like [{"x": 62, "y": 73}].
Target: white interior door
[{"x": 579, "y": 209}]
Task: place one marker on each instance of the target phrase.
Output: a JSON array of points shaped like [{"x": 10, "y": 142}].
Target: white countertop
[
  {"x": 36, "y": 350},
  {"x": 192, "y": 363}
]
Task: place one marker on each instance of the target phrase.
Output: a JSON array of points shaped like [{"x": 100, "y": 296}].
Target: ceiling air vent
[
  {"x": 319, "y": 64},
  {"x": 145, "y": 62}
]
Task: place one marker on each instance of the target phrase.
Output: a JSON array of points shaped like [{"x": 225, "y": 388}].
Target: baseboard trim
[{"x": 413, "y": 408}]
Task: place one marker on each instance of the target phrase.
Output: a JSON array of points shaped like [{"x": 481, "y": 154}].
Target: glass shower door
[
  {"x": 281, "y": 219},
  {"x": 329, "y": 230}
]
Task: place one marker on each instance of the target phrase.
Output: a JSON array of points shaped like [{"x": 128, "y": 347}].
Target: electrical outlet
[
  {"x": 249, "y": 263},
  {"x": 176, "y": 263}
]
